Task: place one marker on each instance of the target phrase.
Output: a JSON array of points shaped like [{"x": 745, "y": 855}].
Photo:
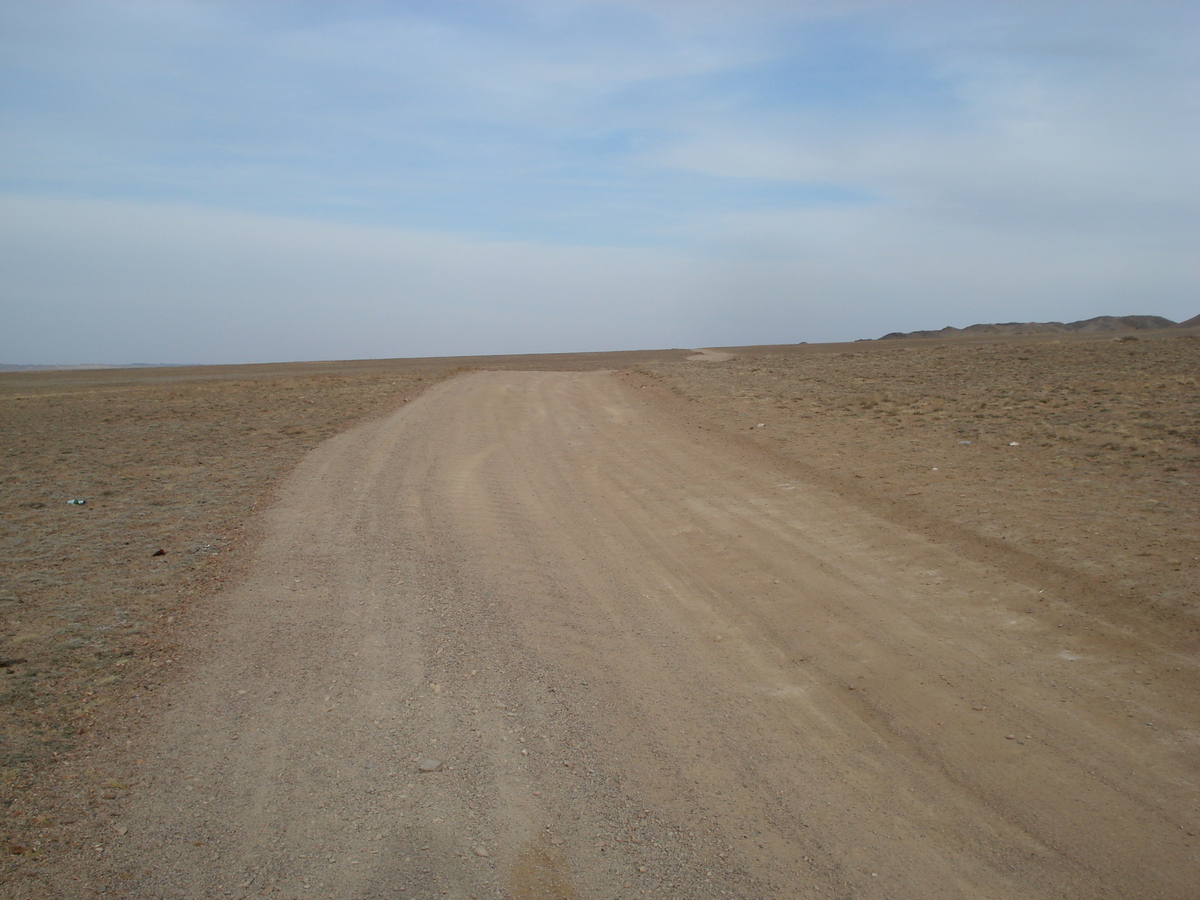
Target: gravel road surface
[{"x": 634, "y": 660}]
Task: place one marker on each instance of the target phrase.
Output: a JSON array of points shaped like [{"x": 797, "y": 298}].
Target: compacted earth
[{"x": 913, "y": 618}]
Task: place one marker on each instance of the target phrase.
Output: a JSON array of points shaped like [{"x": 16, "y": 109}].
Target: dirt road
[{"x": 644, "y": 663}]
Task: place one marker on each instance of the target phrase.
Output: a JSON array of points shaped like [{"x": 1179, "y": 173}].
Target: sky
[{"x": 253, "y": 181}]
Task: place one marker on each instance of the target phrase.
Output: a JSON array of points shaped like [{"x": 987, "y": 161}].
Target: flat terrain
[{"x": 757, "y": 624}]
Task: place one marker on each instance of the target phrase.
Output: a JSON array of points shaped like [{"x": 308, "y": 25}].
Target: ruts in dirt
[{"x": 642, "y": 662}]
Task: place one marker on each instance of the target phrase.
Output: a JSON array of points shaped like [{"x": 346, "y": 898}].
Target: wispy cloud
[{"x": 773, "y": 171}]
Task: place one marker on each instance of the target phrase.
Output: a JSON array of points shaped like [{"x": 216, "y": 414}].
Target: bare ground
[{"x": 657, "y": 649}]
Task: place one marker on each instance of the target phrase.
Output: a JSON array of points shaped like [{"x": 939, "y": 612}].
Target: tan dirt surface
[
  {"x": 644, "y": 661},
  {"x": 173, "y": 465},
  {"x": 1078, "y": 460},
  {"x": 650, "y": 648}
]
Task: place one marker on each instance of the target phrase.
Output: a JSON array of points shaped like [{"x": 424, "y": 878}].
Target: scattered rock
[
  {"x": 482, "y": 851},
  {"x": 429, "y": 765},
  {"x": 159, "y": 552}
]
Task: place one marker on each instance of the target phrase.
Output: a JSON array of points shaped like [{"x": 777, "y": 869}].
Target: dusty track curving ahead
[{"x": 649, "y": 664}]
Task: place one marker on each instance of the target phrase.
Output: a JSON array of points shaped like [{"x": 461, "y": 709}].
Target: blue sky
[{"x": 255, "y": 181}]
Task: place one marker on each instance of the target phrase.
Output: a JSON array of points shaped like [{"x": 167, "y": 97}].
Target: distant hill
[{"x": 1097, "y": 324}]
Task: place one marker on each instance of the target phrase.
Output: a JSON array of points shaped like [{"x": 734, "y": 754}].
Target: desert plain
[{"x": 893, "y": 619}]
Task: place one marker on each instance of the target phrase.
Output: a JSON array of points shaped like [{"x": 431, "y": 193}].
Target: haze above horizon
[{"x": 221, "y": 182}]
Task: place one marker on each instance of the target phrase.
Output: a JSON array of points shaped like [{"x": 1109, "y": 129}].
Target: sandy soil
[
  {"x": 1079, "y": 458},
  {"x": 165, "y": 461},
  {"x": 755, "y": 626}
]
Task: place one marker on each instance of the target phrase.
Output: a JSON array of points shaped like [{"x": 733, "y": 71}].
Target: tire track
[{"x": 650, "y": 665}]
